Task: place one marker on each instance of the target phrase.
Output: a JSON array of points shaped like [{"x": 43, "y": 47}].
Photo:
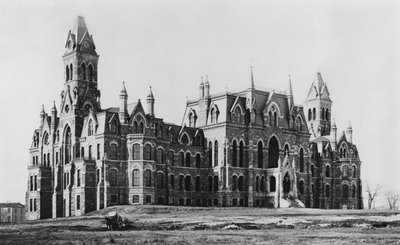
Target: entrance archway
[{"x": 286, "y": 183}]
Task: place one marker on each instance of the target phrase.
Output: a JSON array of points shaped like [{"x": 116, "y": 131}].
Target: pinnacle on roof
[
  {"x": 251, "y": 78},
  {"x": 42, "y": 112},
  {"x": 333, "y": 123},
  {"x": 318, "y": 89},
  {"x": 123, "y": 90},
  {"x": 349, "y": 126},
  {"x": 207, "y": 83},
  {"x": 319, "y": 82},
  {"x": 290, "y": 86},
  {"x": 150, "y": 95},
  {"x": 202, "y": 82},
  {"x": 54, "y": 109}
]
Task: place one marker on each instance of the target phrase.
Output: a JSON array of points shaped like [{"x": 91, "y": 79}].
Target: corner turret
[{"x": 150, "y": 103}]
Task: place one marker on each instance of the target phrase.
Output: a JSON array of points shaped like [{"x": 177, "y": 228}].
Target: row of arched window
[
  {"x": 86, "y": 73},
  {"x": 345, "y": 171},
  {"x": 98, "y": 154},
  {"x": 312, "y": 114},
  {"x": 327, "y": 191}
]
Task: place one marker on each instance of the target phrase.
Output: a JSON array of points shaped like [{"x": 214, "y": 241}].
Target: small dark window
[
  {"x": 241, "y": 183},
  {"x": 234, "y": 153},
  {"x": 135, "y": 198},
  {"x": 147, "y": 178},
  {"x": 148, "y": 198},
  {"x": 272, "y": 184},
  {"x": 78, "y": 202},
  {"x": 136, "y": 177},
  {"x": 327, "y": 171},
  {"x": 188, "y": 159},
  {"x": 301, "y": 187},
  {"x": 172, "y": 181}
]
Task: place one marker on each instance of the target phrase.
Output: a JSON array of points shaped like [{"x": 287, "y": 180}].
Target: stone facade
[{"x": 246, "y": 148}]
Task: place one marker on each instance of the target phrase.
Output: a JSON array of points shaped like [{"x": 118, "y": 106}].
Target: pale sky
[{"x": 171, "y": 44}]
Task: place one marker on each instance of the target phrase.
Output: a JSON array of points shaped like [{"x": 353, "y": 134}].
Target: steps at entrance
[{"x": 291, "y": 202}]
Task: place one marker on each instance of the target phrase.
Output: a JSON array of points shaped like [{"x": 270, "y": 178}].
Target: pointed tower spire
[
  {"x": 290, "y": 96},
  {"x": 251, "y": 78},
  {"x": 123, "y": 108},
  {"x": 207, "y": 88},
  {"x": 150, "y": 103},
  {"x": 42, "y": 115},
  {"x": 349, "y": 133},
  {"x": 201, "y": 89},
  {"x": 250, "y": 91}
]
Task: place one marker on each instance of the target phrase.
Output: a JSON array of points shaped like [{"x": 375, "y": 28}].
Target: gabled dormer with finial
[{"x": 80, "y": 62}]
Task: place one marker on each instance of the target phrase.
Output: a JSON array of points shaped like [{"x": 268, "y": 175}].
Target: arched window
[
  {"x": 70, "y": 71},
  {"x": 91, "y": 73},
  {"x": 160, "y": 156},
  {"x": 98, "y": 151},
  {"x": 113, "y": 153},
  {"x": 67, "y": 73},
  {"x": 172, "y": 158},
  {"x": 234, "y": 154},
  {"x": 241, "y": 183},
  {"x": 215, "y": 153},
  {"x": 299, "y": 124},
  {"x": 345, "y": 191},
  {"x": 353, "y": 191},
  {"x": 136, "y": 177},
  {"x": 147, "y": 178},
  {"x": 345, "y": 171},
  {"x": 301, "y": 187},
  {"x": 90, "y": 128},
  {"x": 241, "y": 154},
  {"x": 90, "y": 152},
  {"x": 257, "y": 183},
  {"x": 270, "y": 118},
  {"x": 113, "y": 127},
  {"x": 141, "y": 128},
  {"x": 160, "y": 180},
  {"x": 113, "y": 177},
  {"x": 238, "y": 115},
  {"x": 182, "y": 159},
  {"x": 273, "y": 153},
  {"x": 188, "y": 160},
  {"x": 210, "y": 154},
  {"x": 188, "y": 183},
  {"x": 213, "y": 114},
  {"x": 327, "y": 190},
  {"x": 312, "y": 171},
  {"x": 275, "y": 119},
  {"x": 198, "y": 163},
  {"x": 327, "y": 171},
  {"x": 262, "y": 187},
  {"x": 135, "y": 127},
  {"x": 197, "y": 183},
  {"x": 185, "y": 139},
  {"x": 301, "y": 160},
  {"x": 147, "y": 152},
  {"x": 327, "y": 114},
  {"x": 172, "y": 181},
  {"x": 314, "y": 114},
  {"x": 309, "y": 114},
  {"x": 260, "y": 154},
  {"x": 181, "y": 180},
  {"x": 234, "y": 183},
  {"x": 216, "y": 183},
  {"x": 272, "y": 184},
  {"x": 192, "y": 119},
  {"x": 67, "y": 142},
  {"x": 354, "y": 172},
  {"x": 323, "y": 114},
  {"x": 83, "y": 68}
]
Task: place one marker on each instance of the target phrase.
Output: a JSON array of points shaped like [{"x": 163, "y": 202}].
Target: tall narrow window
[
  {"x": 160, "y": 180},
  {"x": 309, "y": 114},
  {"x": 345, "y": 171},
  {"x": 70, "y": 71},
  {"x": 345, "y": 191},
  {"x": 147, "y": 152},
  {"x": 90, "y": 152},
  {"x": 257, "y": 183},
  {"x": 35, "y": 182},
  {"x": 135, "y": 127},
  {"x": 136, "y": 152},
  {"x": 272, "y": 184},
  {"x": 215, "y": 153},
  {"x": 353, "y": 191},
  {"x": 198, "y": 160},
  {"x": 275, "y": 119},
  {"x": 141, "y": 128},
  {"x": 78, "y": 202},
  {"x": 323, "y": 114},
  {"x": 188, "y": 183},
  {"x": 312, "y": 171},
  {"x": 216, "y": 183},
  {"x": 301, "y": 160},
  {"x": 210, "y": 180},
  {"x": 262, "y": 187},
  {"x": 241, "y": 154},
  {"x": 188, "y": 162},
  {"x": 83, "y": 68},
  {"x": 234, "y": 153},
  {"x": 113, "y": 177},
  {"x": 234, "y": 183},
  {"x": 314, "y": 114},
  {"x": 82, "y": 152},
  {"x": 90, "y": 128},
  {"x": 260, "y": 154},
  {"x": 31, "y": 183},
  {"x": 67, "y": 148},
  {"x": 78, "y": 177},
  {"x": 98, "y": 151},
  {"x": 327, "y": 171},
  {"x": 241, "y": 183},
  {"x": 182, "y": 159},
  {"x": 273, "y": 153},
  {"x": 91, "y": 73},
  {"x": 67, "y": 73},
  {"x": 147, "y": 178},
  {"x": 172, "y": 158},
  {"x": 160, "y": 156},
  {"x": 210, "y": 154},
  {"x": 135, "y": 177},
  {"x": 172, "y": 181},
  {"x": 327, "y": 190},
  {"x": 181, "y": 180},
  {"x": 354, "y": 172}
]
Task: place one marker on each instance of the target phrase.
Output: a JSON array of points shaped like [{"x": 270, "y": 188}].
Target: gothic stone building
[{"x": 245, "y": 148}]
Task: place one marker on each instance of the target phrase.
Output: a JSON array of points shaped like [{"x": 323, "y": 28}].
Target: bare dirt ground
[{"x": 189, "y": 225}]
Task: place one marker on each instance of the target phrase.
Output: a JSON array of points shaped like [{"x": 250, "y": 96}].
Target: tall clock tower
[{"x": 80, "y": 94}]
